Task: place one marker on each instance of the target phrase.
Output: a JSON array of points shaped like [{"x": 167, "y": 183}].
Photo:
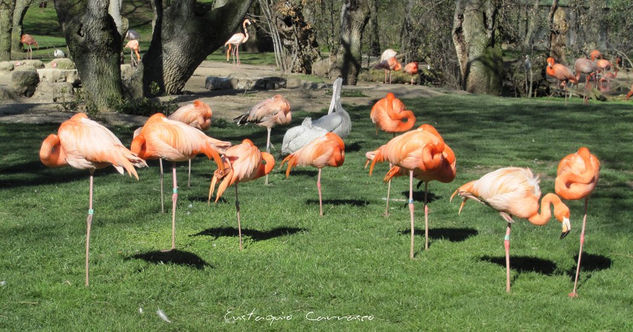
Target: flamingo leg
[
  {"x": 174, "y": 200},
  {"x": 411, "y": 211},
  {"x": 267, "y": 148},
  {"x": 237, "y": 209},
  {"x": 385, "y": 76},
  {"x": 388, "y": 192},
  {"x": 506, "y": 244},
  {"x": 189, "y": 175},
  {"x": 319, "y": 188},
  {"x": 162, "y": 198},
  {"x": 88, "y": 227},
  {"x": 582, "y": 241},
  {"x": 426, "y": 216},
  {"x": 237, "y": 53}
]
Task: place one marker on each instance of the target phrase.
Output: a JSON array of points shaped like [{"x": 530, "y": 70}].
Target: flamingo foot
[{"x": 573, "y": 294}]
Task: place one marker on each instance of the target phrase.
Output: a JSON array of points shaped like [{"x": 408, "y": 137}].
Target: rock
[
  {"x": 217, "y": 83},
  {"x": 293, "y": 83},
  {"x": 37, "y": 64},
  {"x": 61, "y": 63},
  {"x": 6, "y": 94},
  {"x": 321, "y": 67},
  {"x": 269, "y": 83},
  {"x": 58, "y": 92},
  {"x": 53, "y": 75},
  {"x": 6, "y": 66},
  {"x": 24, "y": 82}
]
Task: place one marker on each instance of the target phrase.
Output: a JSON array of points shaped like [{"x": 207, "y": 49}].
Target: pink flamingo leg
[
  {"x": 162, "y": 198},
  {"x": 319, "y": 188},
  {"x": 426, "y": 217},
  {"x": 267, "y": 148},
  {"x": 237, "y": 53},
  {"x": 88, "y": 227},
  {"x": 189, "y": 175},
  {"x": 388, "y": 192},
  {"x": 174, "y": 199},
  {"x": 411, "y": 211},
  {"x": 506, "y": 244},
  {"x": 237, "y": 209},
  {"x": 582, "y": 241}
]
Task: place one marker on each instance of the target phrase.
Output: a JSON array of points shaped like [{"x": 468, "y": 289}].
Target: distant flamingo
[
  {"x": 589, "y": 68},
  {"x": 29, "y": 41},
  {"x": 133, "y": 45},
  {"x": 235, "y": 41},
  {"x": 175, "y": 141},
  {"x": 412, "y": 69},
  {"x": 389, "y": 62},
  {"x": 576, "y": 177},
  {"x": 561, "y": 73},
  {"x": 198, "y": 115},
  {"x": 268, "y": 113},
  {"x": 243, "y": 162},
  {"x": 425, "y": 155},
  {"x": 628, "y": 95},
  {"x": 85, "y": 144},
  {"x": 388, "y": 114},
  {"x": 515, "y": 192},
  {"x": 328, "y": 150}
]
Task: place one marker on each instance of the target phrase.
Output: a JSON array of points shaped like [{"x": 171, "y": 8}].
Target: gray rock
[
  {"x": 321, "y": 67},
  {"x": 293, "y": 83},
  {"x": 24, "y": 82},
  {"x": 61, "y": 63},
  {"x": 6, "y": 66},
  {"x": 57, "y": 92},
  {"x": 217, "y": 83}
]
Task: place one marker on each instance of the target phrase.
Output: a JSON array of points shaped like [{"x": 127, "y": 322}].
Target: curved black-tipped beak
[{"x": 563, "y": 234}]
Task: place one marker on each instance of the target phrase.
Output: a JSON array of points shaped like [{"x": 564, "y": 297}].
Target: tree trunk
[
  {"x": 114, "y": 9},
  {"x": 21, "y": 6},
  {"x": 479, "y": 57},
  {"x": 94, "y": 45},
  {"x": 408, "y": 38},
  {"x": 374, "y": 44},
  {"x": 558, "y": 32},
  {"x": 6, "y": 24},
  {"x": 185, "y": 33},
  {"x": 280, "y": 53},
  {"x": 532, "y": 19},
  {"x": 354, "y": 17}
]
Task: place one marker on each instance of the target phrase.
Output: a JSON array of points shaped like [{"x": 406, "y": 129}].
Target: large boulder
[
  {"x": 217, "y": 83},
  {"x": 61, "y": 63},
  {"x": 24, "y": 82},
  {"x": 53, "y": 75},
  {"x": 6, "y": 66}
]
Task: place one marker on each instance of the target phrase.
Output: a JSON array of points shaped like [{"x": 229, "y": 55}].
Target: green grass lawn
[{"x": 352, "y": 261}]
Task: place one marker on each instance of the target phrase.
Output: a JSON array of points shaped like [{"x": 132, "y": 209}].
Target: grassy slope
[{"x": 351, "y": 261}]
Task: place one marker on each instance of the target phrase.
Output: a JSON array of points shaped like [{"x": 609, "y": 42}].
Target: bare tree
[
  {"x": 6, "y": 14},
  {"x": 558, "y": 32},
  {"x": 354, "y": 17},
  {"x": 21, "y": 6}
]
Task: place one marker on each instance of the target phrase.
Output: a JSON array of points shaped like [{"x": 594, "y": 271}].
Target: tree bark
[
  {"x": 21, "y": 6},
  {"x": 114, "y": 9},
  {"x": 185, "y": 33},
  {"x": 479, "y": 57},
  {"x": 374, "y": 44},
  {"x": 94, "y": 45},
  {"x": 408, "y": 39},
  {"x": 532, "y": 17},
  {"x": 6, "y": 25},
  {"x": 354, "y": 17}
]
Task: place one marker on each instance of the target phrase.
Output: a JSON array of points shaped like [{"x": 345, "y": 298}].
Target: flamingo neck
[
  {"x": 245, "y": 32},
  {"x": 542, "y": 218},
  {"x": 51, "y": 153}
]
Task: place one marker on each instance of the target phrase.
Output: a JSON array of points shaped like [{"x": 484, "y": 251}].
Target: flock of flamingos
[{"x": 419, "y": 153}]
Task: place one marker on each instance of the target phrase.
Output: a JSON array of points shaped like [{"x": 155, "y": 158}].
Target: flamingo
[
  {"x": 576, "y": 178},
  {"x": 628, "y": 95},
  {"x": 132, "y": 34},
  {"x": 133, "y": 45},
  {"x": 425, "y": 155},
  {"x": 561, "y": 73},
  {"x": 242, "y": 162},
  {"x": 85, "y": 144},
  {"x": 515, "y": 191},
  {"x": 198, "y": 115},
  {"x": 387, "y": 114},
  {"x": 268, "y": 113},
  {"x": 235, "y": 41},
  {"x": 173, "y": 140},
  {"x": 389, "y": 62},
  {"x": 328, "y": 150},
  {"x": 29, "y": 41},
  {"x": 412, "y": 69}
]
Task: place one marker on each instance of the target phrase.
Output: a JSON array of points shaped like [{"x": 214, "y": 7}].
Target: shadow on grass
[
  {"x": 354, "y": 202},
  {"x": 524, "y": 264},
  {"x": 254, "y": 234},
  {"x": 303, "y": 172},
  {"x": 588, "y": 263},
  {"x": 450, "y": 234},
  {"x": 418, "y": 196},
  {"x": 172, "y": 257}
]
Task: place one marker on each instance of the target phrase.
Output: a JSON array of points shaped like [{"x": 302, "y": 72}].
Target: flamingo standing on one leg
[
  {"x": 576, "y": 177},
  {"x": 29, "y": 41},
  {"x": 388, "y": 114},
  {"x": 412, "y": 69},
  {"x": 560, "y": 72},
  {"x": 85, "y": 144},
  {"x": 134, "y": 47},
  {"x": 389, "y": 62},
  {"x": 589, "y": 68},
  {"x": 235, "y": 41},
  {"x": 175, "y": 141},
  {"x": 328, "y": 150},
  {"x": 243, "y": 162},
  {"x": 515, "y": 192},
  {"x": 268, "y": 113},
  {"x": 425, "y": 155},
  {"x": 198, "y": 115}
]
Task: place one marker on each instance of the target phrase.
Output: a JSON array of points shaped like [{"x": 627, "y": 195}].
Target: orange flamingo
[
  {"x": 328, "y": 150},
  {"x": 243, "y": 162},
  {"x": 235, "y": 41},
  {"x": 134, "y": 47},
  {"x": 268, "y": 113},
  {"x": 85, "y": 144},
  {"x": 175, "y": 141},
  {"x": 412, "y": 69},
  {"x": 515, "y": 192},
  {"x": 388, "y": 114},
  {"x": 628, "y": 95},
  {"x": 576, "y": 177},
  {"x": 198, "y": 115},
  {"x": 389, "y": 62},
  {"x": 425, "y": 155},
  {"x": 29, "y": 41},
  {"x": 560, "y": 72}
]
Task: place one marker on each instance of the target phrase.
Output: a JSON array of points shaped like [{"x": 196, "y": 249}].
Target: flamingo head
[
  {"x": 595, "y": 54},
  {"x": 550, "y": 61},
  {"x": 247, "y": 22},
  {"x": 561, "y": 212}
]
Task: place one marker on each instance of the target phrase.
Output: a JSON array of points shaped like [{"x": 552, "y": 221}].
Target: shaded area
[
  {"x": 418, "y": 196},
  {"x": 524, "y": 264},
  {"x": 588, "y": 263},
  {"x": 303, "y": 172},
  {"x": 256, "y": 235},
  {"x": 354, "y": 202},
  {"x": 450, "y": 234},
  {"x": 172, "y": 257}
]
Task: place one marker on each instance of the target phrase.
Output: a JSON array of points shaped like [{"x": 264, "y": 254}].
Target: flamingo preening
[
  {"x": 235, "y": 41},
  {"x": 560, "y": 72},
  {"x": 388, "y": 62}
]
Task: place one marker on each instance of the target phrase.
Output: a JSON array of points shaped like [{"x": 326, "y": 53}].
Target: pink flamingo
[
  {"x": 29, "y": 41},
  {"x": 235, "y": 41}
]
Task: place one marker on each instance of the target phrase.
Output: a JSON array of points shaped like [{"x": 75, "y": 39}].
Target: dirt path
[{"x": 226, "y": 104}]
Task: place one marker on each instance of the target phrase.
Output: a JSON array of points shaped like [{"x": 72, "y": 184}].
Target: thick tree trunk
[
  {"x": 354, "y": 17},
  {"x": 558, "y": 32},
  {"x": 408, "y": 38},
  {"x": 114, "y": 9},
  {"x": 21, "y": 6},
  {"x": 6, "y": 24},
  {"x": 532, "y": 19},
  {"x": 479, "y": 57},
  {"x": 185, "y": 33},
  {"x": 94, "y": 45},
  {"x": 374, "y": 40}
]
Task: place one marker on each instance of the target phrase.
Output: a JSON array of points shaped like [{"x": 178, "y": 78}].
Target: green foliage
[
  {"x": 143, "y": 106},
  {"x": 351, "y": 261}
]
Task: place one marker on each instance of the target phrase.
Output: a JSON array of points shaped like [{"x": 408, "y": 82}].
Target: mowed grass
[{"x": 352, "y": 261}]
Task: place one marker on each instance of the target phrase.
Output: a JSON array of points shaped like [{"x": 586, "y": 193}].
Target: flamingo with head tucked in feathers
[
  {"x": 235, "y": 41},
  {"x": 412, "y": 69},
  {"x": 515, "y": 192},
  {"x": 85, "y": 144},
  {"x": 560, "y": 72}
]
